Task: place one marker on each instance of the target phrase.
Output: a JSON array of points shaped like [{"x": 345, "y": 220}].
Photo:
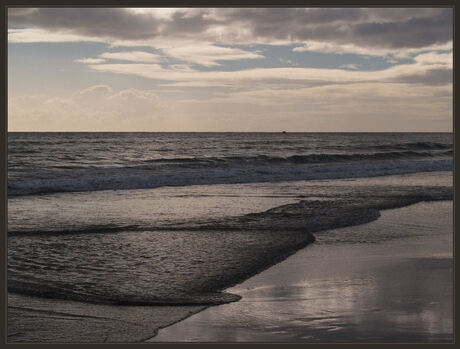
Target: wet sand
[
  {"x": 39, "y": 320},
  {"x": 390, "y": 280}
]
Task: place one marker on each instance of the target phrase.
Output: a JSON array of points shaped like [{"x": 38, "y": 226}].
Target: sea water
[{"x": 175, "y": 218}]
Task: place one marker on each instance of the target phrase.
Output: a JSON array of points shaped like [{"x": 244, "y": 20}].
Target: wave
[
  {"x": 415, "y": 146},
  {"x": 90, "y": 229},
  {"x": 319, "y": 158},
  {"x": 293, "y": 217},
  {"x": 148, "y": 178},
  {"x": 61, "y": 290},
  {"x": 296, "y": 159}
]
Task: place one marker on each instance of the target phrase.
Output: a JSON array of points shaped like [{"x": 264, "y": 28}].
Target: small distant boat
[{"x": 284, "y": 132}]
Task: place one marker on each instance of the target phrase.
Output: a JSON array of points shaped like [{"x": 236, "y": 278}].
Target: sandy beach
[
  {"x": 388, "y": 281},
  {"x": 346, "y": 287}
]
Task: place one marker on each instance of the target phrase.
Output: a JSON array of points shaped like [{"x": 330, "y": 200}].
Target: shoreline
[
  {"x": 389, "y": 264},
  {"x": 136, "y": 315}
]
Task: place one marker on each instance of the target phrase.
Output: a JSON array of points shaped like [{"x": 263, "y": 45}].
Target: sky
[{"x": 230, "y": 69}]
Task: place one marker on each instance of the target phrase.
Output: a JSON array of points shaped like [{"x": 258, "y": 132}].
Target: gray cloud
[
  {"x": 182, "y": 23},
  {"x": 101, "y": 22},
  {"x": 371, "y": 28},
  {"x": 292, "y": 18},
  {"x": 361, "y": 27},
  {"x": 413, "y": 33}
]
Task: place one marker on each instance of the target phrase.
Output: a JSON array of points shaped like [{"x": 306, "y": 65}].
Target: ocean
[{"x": 176, "y": 218}]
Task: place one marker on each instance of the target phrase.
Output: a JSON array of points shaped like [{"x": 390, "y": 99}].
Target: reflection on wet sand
[
  {"x": 400, "y": 290},
  {"x": 399, "y": 303}
]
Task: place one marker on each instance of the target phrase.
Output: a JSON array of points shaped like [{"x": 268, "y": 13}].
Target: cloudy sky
[{"x": 203, "y": 69}]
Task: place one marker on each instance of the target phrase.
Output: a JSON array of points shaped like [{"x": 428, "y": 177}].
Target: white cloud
[
  {"x": 209, "y": 55},
  {"x": 349, "y": 66},
  {"x": 335, "y": 48},
  {"x": 391, "y": 60},
  {"x": 97, "y": 107},
  {"x": 98, "y": 91},
  {"x": 90, "y": 60},
  {"x": 33, "y": 35},
  {"x": 433, "y": 58},
  {"x": 134, "y": 56},
  {"x": 205, "y": 55},
  {"x": 287, "y": 61}
]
